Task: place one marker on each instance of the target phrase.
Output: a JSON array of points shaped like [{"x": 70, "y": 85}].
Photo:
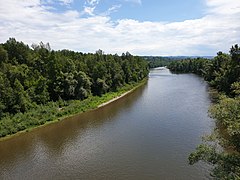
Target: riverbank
[
  {"x": 57, "y": 111},
  {"x": 114, "y": 99},
  {"x": 221, "y": 73}
]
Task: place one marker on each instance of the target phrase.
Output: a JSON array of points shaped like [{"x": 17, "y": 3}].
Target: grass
[{"x": 56, "y": 111}]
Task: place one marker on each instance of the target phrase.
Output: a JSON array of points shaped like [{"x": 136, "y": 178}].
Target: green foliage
[
  {"x": 205, "y": 153},
  {"x": 235, "y": 87},
  {"x": 53, "y": 111},
  {"x": 18, "y": 52},
  {"x": 223, "y": 73},
  {"x": 83, "y": 87},
  {"x": 196, "y": 66},
  {"x": 226, "y": 166},
  {"x": 35, "y": 83},
  {"x": 154, "y": 62},
  {"x": 22, "y": 100},
  {"x": 227, "y": 113},
  {"x": 3, "y": 55}
]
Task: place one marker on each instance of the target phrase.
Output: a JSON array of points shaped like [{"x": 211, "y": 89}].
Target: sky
[{"x": 141, "y": 27}]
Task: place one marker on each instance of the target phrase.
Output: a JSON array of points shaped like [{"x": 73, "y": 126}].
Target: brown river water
[{"x": 147, "y": 134}]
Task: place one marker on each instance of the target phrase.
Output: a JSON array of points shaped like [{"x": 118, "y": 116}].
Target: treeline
[
  {"x": 35, "y": 76},
  {"x": 157, "y": 61},
  {"x": 222, "y": 73},
  {"x": 189, "y": 65}
]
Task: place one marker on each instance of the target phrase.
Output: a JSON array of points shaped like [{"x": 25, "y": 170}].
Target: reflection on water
[{"x": 146, "y": 135}]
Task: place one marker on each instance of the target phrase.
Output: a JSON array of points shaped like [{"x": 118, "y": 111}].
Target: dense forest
[
  {"x": 36, "y": 81},
  {"x": 157, "y": 61},
  {"x": 223, "y": 74}
]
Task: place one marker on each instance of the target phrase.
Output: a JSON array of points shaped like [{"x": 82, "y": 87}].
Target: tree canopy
[{"x": 37, "y": 75}]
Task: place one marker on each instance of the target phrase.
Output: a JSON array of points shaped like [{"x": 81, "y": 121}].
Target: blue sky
[
  {"x": 155, "y": 10},
  {"x": 142, "y": 10},
  {"x": 142, "y": 27}
]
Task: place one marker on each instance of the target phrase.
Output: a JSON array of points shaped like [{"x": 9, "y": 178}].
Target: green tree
[
  {"x": 3, "y": 55},
  {"x": 18, "y": 52},
  {"x": 83, "y": 87},
  {"x": 31, "y": 79},
  {"x": 22, "y": 100}
]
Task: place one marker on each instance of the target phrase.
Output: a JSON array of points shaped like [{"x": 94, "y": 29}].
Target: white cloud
[
  {"x": 32, "y": 22},
  {"x": 112, "y": 9},
  {"x": 223, "y": 6},
  {"x": 134, "y": 1},
  {"x": 89, "y": 10},
  {"x": 66, "y": 2},
  {"x": 90, "y": 6},
  {"x": 92, "y": 2}
]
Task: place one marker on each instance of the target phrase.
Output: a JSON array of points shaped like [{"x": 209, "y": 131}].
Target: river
[{"x": 147, "y": 134}]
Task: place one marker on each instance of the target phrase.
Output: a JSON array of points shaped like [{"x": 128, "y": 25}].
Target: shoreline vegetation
[
  {"x": 221, "y": 149},
  {"x": 115, "y": 99},
  {"x": 90, "y": 104},
  {"x": 39, "y": 85}
]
